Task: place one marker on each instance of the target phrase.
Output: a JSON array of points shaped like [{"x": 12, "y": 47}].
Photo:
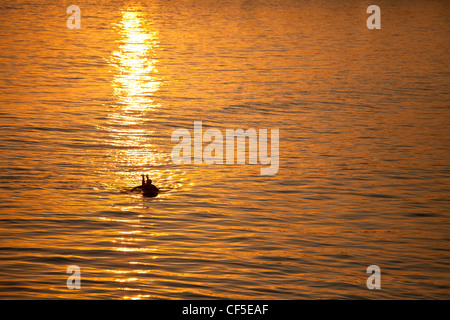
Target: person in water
[{"x": 148, "y": 189}]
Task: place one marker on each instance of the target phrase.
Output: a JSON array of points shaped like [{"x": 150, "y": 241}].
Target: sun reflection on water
[
  {"x": 136, "y": 80},
  {"x": 136, "y": 143},
  {"x": 131, "y": 136},
  {"x": 130, "y": 124}
]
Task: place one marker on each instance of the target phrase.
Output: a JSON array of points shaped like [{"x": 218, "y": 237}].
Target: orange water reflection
[
  {"x": 131, "y": 133},
  {"x": 136, "y": 80},
  {"x": 135, "y": 83}
]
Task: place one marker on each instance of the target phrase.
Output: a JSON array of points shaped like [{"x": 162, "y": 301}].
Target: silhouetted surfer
[{"x": 148, "y": 189}]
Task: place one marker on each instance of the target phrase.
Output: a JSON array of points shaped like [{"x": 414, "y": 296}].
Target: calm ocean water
[{"x": 364, "y": 122}]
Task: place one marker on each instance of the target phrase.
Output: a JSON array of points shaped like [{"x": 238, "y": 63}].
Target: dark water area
[{"x": 363, "y": 178}]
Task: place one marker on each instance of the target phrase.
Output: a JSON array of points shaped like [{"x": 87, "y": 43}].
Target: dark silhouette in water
[{"x": 148, "y": 189}]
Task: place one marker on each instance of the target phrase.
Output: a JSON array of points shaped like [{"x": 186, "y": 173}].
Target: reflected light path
[
  {"x": 137, "y": 78},
  {"x": 131, "y": 135},
  {"x": 135, "y": 83}
]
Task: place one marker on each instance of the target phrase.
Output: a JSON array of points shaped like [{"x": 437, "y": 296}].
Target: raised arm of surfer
[{"x": 142, "y": 186}]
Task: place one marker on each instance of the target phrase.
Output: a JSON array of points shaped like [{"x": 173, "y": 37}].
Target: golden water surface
[{"x": 364, "y": 149}]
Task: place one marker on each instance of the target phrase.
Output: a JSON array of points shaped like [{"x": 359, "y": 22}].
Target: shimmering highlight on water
[{"x": 364, "y": 149}]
